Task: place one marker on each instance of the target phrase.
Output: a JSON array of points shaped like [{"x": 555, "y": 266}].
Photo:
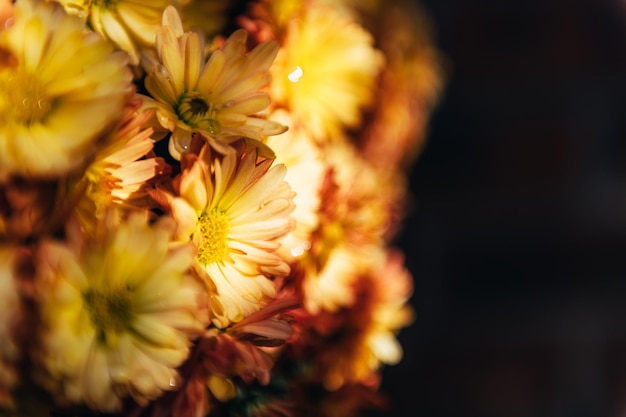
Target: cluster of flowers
[{"x": 198, "y": 200}]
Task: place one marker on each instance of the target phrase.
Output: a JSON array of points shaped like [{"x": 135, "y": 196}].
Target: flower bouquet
[{"x": 198, "y": 201}]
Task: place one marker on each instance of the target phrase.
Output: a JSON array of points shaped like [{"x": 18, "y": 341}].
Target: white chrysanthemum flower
[
  {"x": 61, "y": 74},
  {"x": 118, "y": 314},
  {"x": 235, "y": 209}
]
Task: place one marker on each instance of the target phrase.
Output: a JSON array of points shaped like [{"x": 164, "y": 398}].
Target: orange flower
[
  {"x": 123, "y": 171},
  {"x": 364, "y": 336}
]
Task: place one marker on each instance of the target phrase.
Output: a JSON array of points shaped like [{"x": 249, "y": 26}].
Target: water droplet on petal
[
  {"x": 213, "y": 127},
  {"x": 174, "y": 381},
  {"x": 163, "y": 71},
  {"x": 76, "y": 10}
]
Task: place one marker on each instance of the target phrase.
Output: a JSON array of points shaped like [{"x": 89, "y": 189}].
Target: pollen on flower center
[
  {"x": 110, "y": 310},
  {"x": 196, "y": 110},
  {"x": 213, "y": 227},
  {"x": 25, "y": 99}
]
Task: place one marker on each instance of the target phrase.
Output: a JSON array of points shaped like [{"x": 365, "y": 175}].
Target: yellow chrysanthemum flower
[
  {"x": 122, "y": 171},
  {"x": 61, "y": 76},
  {"x": 218, "y": 96},
  {"x": 305, "y": 174},
  {"x": 326, "y": 70},
  {"x": 119, "y": 313},
  {"x": 130, "y": 24},
  {"x": 234, "y": 209}
]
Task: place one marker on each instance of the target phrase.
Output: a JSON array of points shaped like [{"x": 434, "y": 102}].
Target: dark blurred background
[{"x": 517, "y": 241}]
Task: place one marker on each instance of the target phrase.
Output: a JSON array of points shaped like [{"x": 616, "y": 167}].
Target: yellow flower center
[
  {"x": 213, "y": 228},
  {"x": 110, "y": 310},
  {"x": 23, "y": 98},
  {"x": 196, "y": 111}
]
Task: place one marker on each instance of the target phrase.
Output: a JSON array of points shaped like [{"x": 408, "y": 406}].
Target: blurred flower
[
  {"x": 206, "y": 16},
  {"x": 305, "y": 175},
  {"x": 360, "y": 7},
  {"x": 267, "y": 326},
  {"x": 329, "y": 277},
  {"x": 130, "y": 24},
  {"x": 122, "y": 171},
  {"x": 61, "y": 74},
  {"x": 410, "y": 87},
  {"x": 224, "y": 358},
  {"x": 192, "y": 399},
  {"x": 387, "y": 288},
  {"x": 244, "y": 351},
  {"x": 32, "y": 208},
  {"x": 364, "y": 336},
  {"x": 362, "y": 203},
  {"x": 6, "y": 11},
  {"x": 351, "y": 400},
  {"x": 359, "y": 206},
  {"x": 198, "y": 200},
  {"x": 234, "y": 208},
  {"x": 126, "y": 306},
  {"x": 9, "y": 320},
  {"x": 218, "y": 96},
  {"x": 326, "y": 70}
]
